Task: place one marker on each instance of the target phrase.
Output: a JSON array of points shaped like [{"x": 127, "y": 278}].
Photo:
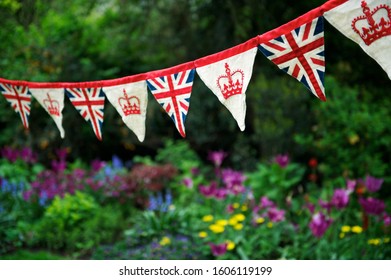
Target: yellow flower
[
  {"x": 235, "y": 205},
  {"x": 216, "y": 228},
  {"x": 357, "y": 229},
  {"x": 230, "y": 245},
  {"x": 232, "y": 221},
  {"x": 386, "y": 240},
  {"x": 269, "y": 224},
  {"x": 165, "y": 241},
  {"x": 202, "y": 234},
  {"x": 375, "y": 241},
  {"x": 221, "y": 222},
  {"x": 207, "y": 218},
  {"x": 240, "y": 217},
  {"x": 260, "y": 220},
  {"x": 341, "y": 235},
  {"x": 345, "y": 229},
  {"x": 244, "y": 208},
  {"x": 238, "y": 226}
]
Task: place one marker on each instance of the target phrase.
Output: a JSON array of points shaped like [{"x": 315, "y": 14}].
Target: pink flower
[
  {"x": 282, "y": 160},
  {"x": 208, "y": 191},
  {"x": 188, "y": 182},
  {"x": 386, "y": 219},
  {"x": 217, "y": 157},
  {"x": 319, "y": 224},
  {"x": 340, "y": 198},
  {"x": 218, "y": 249},
  {"x": 372, "y": 205},
  {"x": 373, "y": 184},
  {"x": 276, "y": 215},
  {"x": 351, "y": 185},
  {"x": 266, "y": 202},
  {"x": 325, "y": 205}
]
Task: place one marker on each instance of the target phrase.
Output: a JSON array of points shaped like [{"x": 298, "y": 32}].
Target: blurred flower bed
[{"x": 176, "y": 206}]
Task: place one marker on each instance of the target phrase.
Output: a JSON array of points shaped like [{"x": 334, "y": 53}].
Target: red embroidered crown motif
[
  {"x": 231, "y": 83},
  {"x": 52, "y": 105},
  {"x": 129, "y": 105},
  {"x": 374, "y": 24}
]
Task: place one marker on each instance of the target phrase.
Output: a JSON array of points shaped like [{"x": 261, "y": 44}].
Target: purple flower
[
  {"x": 62, "y": 154},
  {"x": 220, "y": 193},
  {"x": 27, "y": 155},
  {"x": 117, "y": 162},
  {"x": 10, "y": 154},
  {"x": 97, "y": 165},
  {"x": 351, "y": 185},
  {"x": 275, "y": 215},
  {"x": 188, "y": 182},
  {"x": 233, "y": 181},
  {"x": 218, "y": 249},
  {"x": 195, "y": 171},
  {"x": 217, "y": 157},
  {"x": 311, "y": 207},
  {"x": 386, "y": 219},
  {"x": 340, "y": 198},
  {"x": 372, "y": 205},
  {"x": 208, "y": 191},
  {"x": 325, "y": 205},
  {"x": 319, "y": 224},
  {"x": 266, "y": 202},
  {"x": 373, "y": 184},
  {"x": 282, "y": 160}
]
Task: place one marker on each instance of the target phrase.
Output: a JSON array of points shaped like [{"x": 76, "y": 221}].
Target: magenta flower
[
  {"x": 386, "y": 219},
  {"x": 351, "y": 185},
  {"x": 217, "y": 157},
  {"x": 282, "y": 160},
  {"x": 188, "y": 182},
  {"x": 97, "y": 165},
  {"x": 218, "y": 249},
  {"x": 220, "y": 194},
  {"x": 340, "y": 198},
  {"x": 372, "y": 205},
  {"x": 10, "y": 154},
  {"x": 208, "y": 191},
  {"x": 319, "y": 224},
  {"x": 266, "y": 202},
  {"x": 325, "y": 205},
  {"x": 310, "y": 207},
  {"x": 233, "y": 181},
  {"x": 275, "y": 215},
  {"x": 373, "y": 184}
]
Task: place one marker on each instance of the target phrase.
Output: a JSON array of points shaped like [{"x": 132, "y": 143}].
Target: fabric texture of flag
[
  {"x": 300, "y": 53},
  {"x": 228, "y": 80},
  {"x": 20, "y": 99},
  {"x": 130, "y": 100},
  {"x": 90, "y": 104},
  {"x": 52, "y": 100},
  {"x": 173, "y": 93},
  {"x": 368, "y": 23}
]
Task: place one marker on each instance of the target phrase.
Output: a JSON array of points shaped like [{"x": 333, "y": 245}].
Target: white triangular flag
[
  {"x": 130, "y": 100},
  {"x": 228, "y": 79},
  {"x": 368, "y": 24},
  {"x": 52, "y": 100}
]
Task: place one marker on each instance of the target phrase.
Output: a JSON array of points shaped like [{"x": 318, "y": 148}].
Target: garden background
[{"x": 306, "y": 179}]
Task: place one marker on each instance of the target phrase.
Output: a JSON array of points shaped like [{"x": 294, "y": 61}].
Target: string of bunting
[{"x": 297, "y": 48}]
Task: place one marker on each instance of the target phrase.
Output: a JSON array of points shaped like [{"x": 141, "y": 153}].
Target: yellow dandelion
[
  {"x": 165, "y": 241},
  {"x": 221, "y": 222},
  {"x": 207, "y": 218},
  {"x": 232, "y": 221},
  {"x": 357, "y": 229},
  {"x": 375, "y": 241},
  {"x": 230, "y": 245},
  {"x": 216, "y": 228},
  {"x": 238, "y": 226},
  {"x": 345, "y": 229},
  {"x": 202, "y": 234},
  {"x": 260, "y": 220},
  {"x": 240, "y": 217},
  {"x": 244, "y": 208},
  {"x": 386, "y": 240},
  {"x": 236, "y": 205},
  {"x": 269, "y": 224},
  {"x": 341, "y": 235}
]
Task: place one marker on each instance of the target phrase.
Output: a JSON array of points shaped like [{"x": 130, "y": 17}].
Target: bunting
[{"x": 296, "y": 47}]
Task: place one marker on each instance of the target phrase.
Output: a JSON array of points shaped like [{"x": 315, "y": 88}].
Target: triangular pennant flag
[
  {"x": 52, "y": 100},
  {"x": 173, "y": 93},
  {"x": 300, "y": 53},
  {"x": 368, "y": 24},
  {"x": 90, "y": 103},
  {"x": 130, "y": 101},
  {"x": 20, "y": 99},
  {"x": 228, "y": 80}
]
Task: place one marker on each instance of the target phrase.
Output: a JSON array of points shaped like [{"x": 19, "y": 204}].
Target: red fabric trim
[
  {"x": 252, "y": 43},
  {"x": 172, "y": 70},
  {"x": 307, "y": 17}
]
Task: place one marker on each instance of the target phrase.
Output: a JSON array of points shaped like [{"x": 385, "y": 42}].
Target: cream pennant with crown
[
  {"x": 52, "y": 100},
  {"x": 130, "y": 101},
  {"x": 228, "y": 80},
  {"x": 368, "y": 23}
]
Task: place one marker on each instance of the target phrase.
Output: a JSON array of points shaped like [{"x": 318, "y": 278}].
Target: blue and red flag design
[
  {"x": 20, "y": 99},
  {"x": 90, "y": 104},
  {"x": 173, "y": 94},
  {"x": 300, "y": 53}
]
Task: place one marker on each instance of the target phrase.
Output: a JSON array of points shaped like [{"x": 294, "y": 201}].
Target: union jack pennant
[
  {"x": 173, "y": 94},
  {"x": 20, "y": 99},
  {"x": 300, "y": 53},
  {"x": 90, "y": 103}
]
